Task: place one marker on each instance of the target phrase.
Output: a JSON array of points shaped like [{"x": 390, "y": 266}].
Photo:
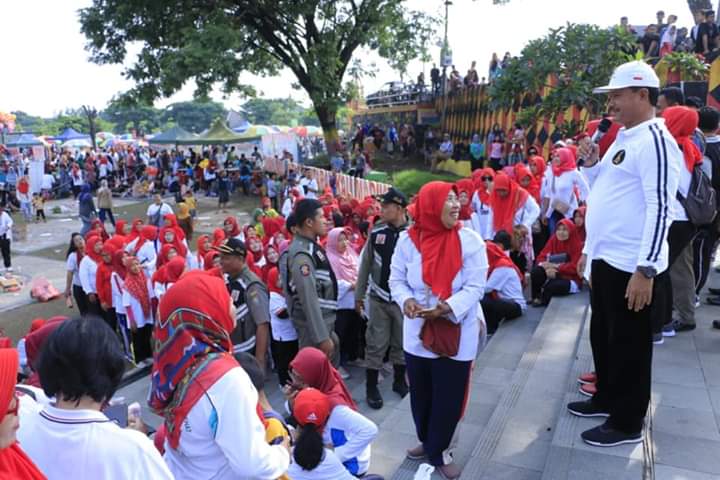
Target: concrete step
[{"x": 490, "y": 379}]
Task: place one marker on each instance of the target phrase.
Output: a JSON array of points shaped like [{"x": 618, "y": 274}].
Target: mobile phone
[{"x": 118, "y": 413}]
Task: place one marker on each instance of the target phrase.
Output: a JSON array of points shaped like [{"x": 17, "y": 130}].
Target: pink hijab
[{"x": 345, "y": 265}]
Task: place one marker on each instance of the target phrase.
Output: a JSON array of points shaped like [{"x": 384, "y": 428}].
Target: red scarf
[
  {"x": 567, "y": 161},
  {"x": 465, "y": 185},
  {"x": 172, "y": 220},
  {"x": 572, "y": 246},
  {"x": 540, "y": 166},
  {"x": 504, "y": 209},
  {"x": 498, "y": 258},
  {"x": 147, "y": 234},
  {"x": 136, "y": 285},
  {"x": 201, "y": 251},
  {"x": 317, "y": 372},
  {"x": 581, "y": 230},
  {"x": 14, "y": 464},
  {"x": 682, "y": 122},
  {"x": 117, "y": 264},
  {"x": 90, "y": 249},
  {"x": 119, "y": 227},
  {"x": 34, "y": 343},
  {"x": 191, "y": 346},
  {"x": 480, "y": 186},
  {"x": 170, "y": 272},
  {"x": 533, "y": 188},
  {"x": 219, "y": 237},
  {"x": 135, "y": 232},
  {"x": 235, "y": 227},
  {"x": 102, "y": 276},
  {"x": 209, "y": 257},
  {"x": 271, "y": 280},
  {"x": 439, "y": 247}
]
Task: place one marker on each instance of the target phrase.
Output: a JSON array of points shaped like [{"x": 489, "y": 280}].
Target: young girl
[
  {"x": 284, "y": 344},
  {"x": 504, "y": 299},
  {"x": 138, "y": 299},
  {"x": 203, "y": 247},
  {"x": 312, "y": 460}
]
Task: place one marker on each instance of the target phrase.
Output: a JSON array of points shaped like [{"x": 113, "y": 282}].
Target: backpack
[{"x": 700, "y": 203}]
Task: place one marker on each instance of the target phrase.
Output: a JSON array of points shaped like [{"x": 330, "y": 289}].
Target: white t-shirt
[
  {"x": 163, "y": 208},
  {"x": 134, "y": 310},
  {"x": 505, "y": 281},
  {"x": 71, "y": 265},
  {"x": 562, "y": 189},
  {"x": 282, "y": 328},
  {"x": 329, "y": 468},
  {"x": 222, "y": 437},
  {"x": 118, "y": 287},
  {"x": 87, "y": 272},
  {"x": 85, "y": 444},
  {"x": 350, "y": 433}
]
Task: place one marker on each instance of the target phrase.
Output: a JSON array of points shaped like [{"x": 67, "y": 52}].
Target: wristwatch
[{"x": 648, "y": 272}]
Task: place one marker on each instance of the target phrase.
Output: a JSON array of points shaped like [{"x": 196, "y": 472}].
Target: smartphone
[
  {"x": 424, "y": 312},
  {"x": 118, "y": 413}
]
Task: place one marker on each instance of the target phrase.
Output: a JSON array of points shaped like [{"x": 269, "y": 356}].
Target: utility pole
[{"x": 444, "y": 56}]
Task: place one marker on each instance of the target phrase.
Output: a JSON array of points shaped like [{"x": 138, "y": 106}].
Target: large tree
[
  {"x": 194, "y": 116},
  {"x": 139, "y": 117},
  {"x": 213, "y": 42}
]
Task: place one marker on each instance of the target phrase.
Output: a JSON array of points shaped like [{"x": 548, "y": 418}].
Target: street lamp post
[{"x": 444, "y": 55}]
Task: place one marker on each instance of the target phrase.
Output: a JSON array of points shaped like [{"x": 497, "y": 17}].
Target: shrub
[{"x": 410, "y": 181}]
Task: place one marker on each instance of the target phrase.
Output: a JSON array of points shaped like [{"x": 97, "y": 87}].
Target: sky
[{"x": 47, "y": 68}]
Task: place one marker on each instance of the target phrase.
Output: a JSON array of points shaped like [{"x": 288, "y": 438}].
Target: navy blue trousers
[{"x": 438, "y": 391}]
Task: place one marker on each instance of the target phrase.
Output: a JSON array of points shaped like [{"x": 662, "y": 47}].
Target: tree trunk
[
  {"x": 91, "y": 115},
  {"x": 699, "y": 5},
  {"x": 326, "y": 114}
]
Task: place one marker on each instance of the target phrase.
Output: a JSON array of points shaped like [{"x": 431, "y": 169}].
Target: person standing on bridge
[{"x": 627, "y": 226}]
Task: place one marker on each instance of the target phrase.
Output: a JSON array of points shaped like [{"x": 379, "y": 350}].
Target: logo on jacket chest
[
  {"x": 380, "y": 239},
  {"x": 619, "y": 157}
]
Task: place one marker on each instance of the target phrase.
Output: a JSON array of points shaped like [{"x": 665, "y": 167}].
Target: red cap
[{"x": 311, "y": 407}]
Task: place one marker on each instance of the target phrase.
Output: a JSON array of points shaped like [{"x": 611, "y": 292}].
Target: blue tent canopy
[
  {"x": 24, "y": 140},
  {"x": 71, "y": 134}
]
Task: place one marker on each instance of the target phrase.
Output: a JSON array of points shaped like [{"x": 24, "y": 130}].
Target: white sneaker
[
  {"x": 344, "y": 374},
  {"x": 9, "y": 269}
]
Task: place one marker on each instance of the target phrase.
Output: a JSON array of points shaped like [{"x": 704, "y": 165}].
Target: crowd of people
[{"x": 414, "y": 286}]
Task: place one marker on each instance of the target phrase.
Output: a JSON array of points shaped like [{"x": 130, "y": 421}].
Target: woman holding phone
[{"x": 437, "y": 277}]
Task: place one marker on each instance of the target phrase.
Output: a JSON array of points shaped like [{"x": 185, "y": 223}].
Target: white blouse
[
  {"x": 134, "y": 310},
  {"x": 87, "y": 273},
  {"x": 562, "y": 189},
  {"x": 467, "y": 289}
]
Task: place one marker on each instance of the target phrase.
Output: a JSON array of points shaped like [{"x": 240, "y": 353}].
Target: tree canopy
[
  {"x": 212, "y": 43},
  {"x": 278, "y": 111}
]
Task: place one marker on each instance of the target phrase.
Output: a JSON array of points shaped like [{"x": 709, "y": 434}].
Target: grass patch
[{"x": 410, "y": 181}]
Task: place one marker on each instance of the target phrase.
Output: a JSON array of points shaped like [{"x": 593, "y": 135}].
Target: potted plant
[{"x": 684, "y": 67}]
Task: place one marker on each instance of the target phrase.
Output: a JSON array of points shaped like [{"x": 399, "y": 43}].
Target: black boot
[
  {"x": 399, "y": 384},
  {"x": 374, "y": 399}
]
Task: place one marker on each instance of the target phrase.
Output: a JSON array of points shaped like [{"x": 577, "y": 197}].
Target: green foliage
[
  {"x": 194, "y": 116},
  {"x": 582, "y": 57},
  {"x": 141, "y": 118},
  {"x": 687, "y": 64},
  {"x": 70, "y": 118},
  {"x": 410, "y": 181},
  {"x": 212, "y": 43},
  {"x": 274, "y": 111}
]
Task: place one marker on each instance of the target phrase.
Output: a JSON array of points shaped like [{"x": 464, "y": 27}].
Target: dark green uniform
[{"x": 251, "y": 300}]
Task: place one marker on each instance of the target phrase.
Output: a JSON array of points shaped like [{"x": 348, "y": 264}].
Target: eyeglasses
[
  {"x": 487, "y": 179},
  {"x": 14, "y": 410}
]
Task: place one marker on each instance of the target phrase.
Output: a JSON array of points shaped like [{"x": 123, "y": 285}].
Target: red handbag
[{"x": 441, "y": 336}]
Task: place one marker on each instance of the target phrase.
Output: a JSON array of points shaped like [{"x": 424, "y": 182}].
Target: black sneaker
[
  {"x": 605, "y": 436},
  {"x": 586, "y": 409},
  {"x": 680, "y": 326},
  {"x": 714, "y": 291},
  {"x": 716, "y": 324}
]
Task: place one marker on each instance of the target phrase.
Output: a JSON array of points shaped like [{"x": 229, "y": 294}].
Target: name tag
[{"x": 484, "y": 212}]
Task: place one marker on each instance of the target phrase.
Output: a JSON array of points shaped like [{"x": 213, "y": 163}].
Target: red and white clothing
[{"x": 134, "y": 309}]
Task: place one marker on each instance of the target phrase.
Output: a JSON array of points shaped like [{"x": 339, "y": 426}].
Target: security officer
[
  {"x": 251, "y": 300},
  {"x": 283, "y": 272},
  {"x": 311, "y": 282},
  {"x": 385, "y": 326}
]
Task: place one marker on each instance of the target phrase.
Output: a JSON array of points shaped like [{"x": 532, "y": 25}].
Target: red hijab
[
  {"x": 34, "y": 343},
  {"x": 13, "y": 461},
  {"x": 439, "y": 247},
  {"x": 465, "y": 185},
  {"x": 170, "y": 272},
  {"x": 97, "y": 226},
  {"x": 162, "y": 257},
  {"x": 504, "y": 209},
  {"x": 608, "y": 138},
  {"x": 682, "y": 122},
  {"x": 119, "y": 227},
  {"x": 540, "y": 166},
  {"x": 235, "y": 226},
  {"x": 104, "y": 271},
  {"x": 317, "y": 372},
  {"x": 218, "y": 237},
  {"x": 498, "y": 258},
  {"x": 480, "y": 186},
  {"x": 148, "y": 233},
  {"x": 117, "y": 264},
  {"x": 208, "y": 259},
  {"x": 572, "y": 246},
  {"x": 581, "y": 230},
  {"x": 201, "y": 251},
  {"x": 90, "y": 249},
  {"x": 271, "y": 281},
  {"x": 136, "y": 285},
  {"x": 135, "y": 231},
  {"x": 172, "y": 220},
  {"x": 176, "y": 242},
  {"x": 192, "y": 347},
  {"x": 567, "y": 161},
  {"x": 533, "y": 188}
]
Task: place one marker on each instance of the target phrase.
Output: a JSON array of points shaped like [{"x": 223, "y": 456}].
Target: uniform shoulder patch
[
  {"x": 305, "y": 269},
  {"x": 619, "y": 157},
  {"x": 320, "y": 255}
]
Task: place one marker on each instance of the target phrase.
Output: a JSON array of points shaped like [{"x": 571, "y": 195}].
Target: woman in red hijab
[
  {"x": 218, "y": 237},
  {"x": 465, "y": 189},
  {"x": 556, "y": 271},
  {"x": 138, "y": 300},
  {"x": 14, "y": 463},
  {"x": 97, "y": 228},
  {"x": 231, "y": 227},
  {"x": 171, "y": 223},
  {"x": 168, "y": 274},
  {"x": 122, "y": 230},
  {"x": 537, "y": 167},
  {"x": 565, "y": 187},
  {"x": 196, "y": 382},
  {"x": 527, "y": 180},
  {"x": 137, "y": 225},
  {"x": 103, "y": 284},
  {"x": 169, "y": 237},
  {"x": 34, "y": 343},
  {"x": 509, "y": 200},
  {"x": 312, "y": 368},
  {"x": 579, "y": 221},
  {"x": 504, "y": 298},
  {"x": 271, "y": 261},
  {"x": 203, "y": 247},
  {"x": 438, "y": 276}
]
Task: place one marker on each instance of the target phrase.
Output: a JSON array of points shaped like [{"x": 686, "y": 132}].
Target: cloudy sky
[{"x": 45, "y": 66}]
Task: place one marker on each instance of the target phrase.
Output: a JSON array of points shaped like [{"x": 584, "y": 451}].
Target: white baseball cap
[{"x": 631, "y": 74}]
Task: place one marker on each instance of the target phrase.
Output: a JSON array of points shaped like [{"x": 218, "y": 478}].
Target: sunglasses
[{"x": 487, "y": 179}]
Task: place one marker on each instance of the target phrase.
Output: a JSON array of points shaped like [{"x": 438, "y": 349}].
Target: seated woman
[
  {"x": 14, "y": 463},
  {"x": 556, "y": 270},
  {"x": 81, "y": 367},
  {"x": 504, "y": 299},
  {"x": 312, "y": 460},
  {"x": 347, "y": 431}
]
